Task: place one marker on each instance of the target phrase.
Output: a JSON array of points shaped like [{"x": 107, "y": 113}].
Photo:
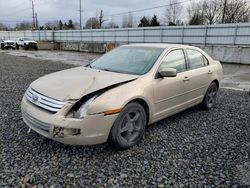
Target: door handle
[
  {"x": 210, "y": 72},
  {"x": 186, "y": 78}
]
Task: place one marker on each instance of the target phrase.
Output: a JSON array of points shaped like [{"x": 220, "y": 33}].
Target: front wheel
[
  {"x": 129, "y": 127},
  {"x": 26, "y": 47},
  {"x": 210, "y": 97}
]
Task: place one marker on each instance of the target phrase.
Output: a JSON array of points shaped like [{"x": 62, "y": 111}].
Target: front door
[{"x": 169, "y": 93}]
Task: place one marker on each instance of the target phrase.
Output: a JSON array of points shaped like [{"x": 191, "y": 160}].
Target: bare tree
[
  {"x": 92, "y": 23},
  {"x": 219, "y": 11},
  {"x": 101, "y": 19},
  {"x": 112, "y": 24},
  {"x": 196, "y": 14},
  {"x": 52, "y": 25},
  {"x": 212, "y": 11},
  {"x": 24, "y": 25},
  {"x": 128, "y": 21},
  {"x": 236, "y": 11},
  {"x": 124, "y": 22},
  {"x": 3, "y": 27},
  {"x": 173, "y": 12}
]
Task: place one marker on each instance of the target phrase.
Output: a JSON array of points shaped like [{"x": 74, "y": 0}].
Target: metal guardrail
[{"x": 223, "y": 34}]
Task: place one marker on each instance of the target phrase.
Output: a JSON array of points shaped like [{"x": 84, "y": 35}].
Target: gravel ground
[{"x": 192, "y": 149}]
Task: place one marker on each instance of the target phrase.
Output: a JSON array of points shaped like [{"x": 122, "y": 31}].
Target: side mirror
[{"x": 167, "y": 72}]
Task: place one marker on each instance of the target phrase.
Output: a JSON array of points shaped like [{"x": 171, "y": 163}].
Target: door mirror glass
[{"x": 167, "y": 72}]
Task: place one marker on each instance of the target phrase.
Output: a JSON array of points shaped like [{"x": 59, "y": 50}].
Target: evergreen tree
[
  {"x": 71, "y": 25},
  {"x": 154, "y": 21},
  {"x": 65, "y": 26},
  {"x": 60, "y": 25},
  {"x": 144, "y": 22}
]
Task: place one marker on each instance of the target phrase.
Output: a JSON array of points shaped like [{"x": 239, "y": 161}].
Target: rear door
[{"x": 199, "y": 74}]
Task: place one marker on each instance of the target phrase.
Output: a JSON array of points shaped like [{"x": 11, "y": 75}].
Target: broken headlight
[{"x": 82, "y": 111}]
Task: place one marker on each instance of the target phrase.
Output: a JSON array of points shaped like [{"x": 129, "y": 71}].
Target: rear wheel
[
  {"x": 210, "y": 97},
  {"x": 129, "y": 127}
]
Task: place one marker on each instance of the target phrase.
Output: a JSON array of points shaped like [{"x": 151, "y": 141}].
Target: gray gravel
[{"x": 192, "y": 149}]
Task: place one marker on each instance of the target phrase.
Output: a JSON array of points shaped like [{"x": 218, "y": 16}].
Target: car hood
[
  {"x": 30, "y": 41},
  {"x": 8, "y": 41},
  {"x": 73, "y": 84}
]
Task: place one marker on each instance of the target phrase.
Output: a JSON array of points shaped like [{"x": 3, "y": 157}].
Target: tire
[
  {"x": 26, "y": 47},
  {"x": 2, "y": 46},
  {"x": 36, "y": 48},
  {"x": 209, "y": 100},
  {"x": 128, "y": 129},
  {"x": 17, "y": 46}
]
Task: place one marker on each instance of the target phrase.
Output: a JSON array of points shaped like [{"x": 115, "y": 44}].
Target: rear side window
[
  {"x": 176, "y": 60},
  {"x": 197, "y": 60}
]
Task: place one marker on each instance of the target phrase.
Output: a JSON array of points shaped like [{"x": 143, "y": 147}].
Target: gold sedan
[{"x": 116, "y": 96}]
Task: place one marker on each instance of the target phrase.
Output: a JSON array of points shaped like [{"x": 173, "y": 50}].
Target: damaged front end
[{"x": 72, "y": 124}]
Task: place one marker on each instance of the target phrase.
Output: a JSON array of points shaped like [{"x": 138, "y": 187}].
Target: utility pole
[
  {"x": 224, "y": 11},
  {"x": 36, "y": 21},
  {"x": 80, "y": 14},
  {"x": 33, "y": 14}
]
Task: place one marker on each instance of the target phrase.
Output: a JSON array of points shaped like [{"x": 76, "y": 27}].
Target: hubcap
[
  {"x": 211, "y": 97},
  {"x": 131, "y": 126}
]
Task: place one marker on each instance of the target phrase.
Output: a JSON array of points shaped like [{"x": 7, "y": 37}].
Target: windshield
[
  {"x": 27, "y": 39},
  {"x": 129, "y": 60}
]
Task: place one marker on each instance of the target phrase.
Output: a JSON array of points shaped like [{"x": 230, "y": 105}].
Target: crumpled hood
[{"x": 73, "y": 84}]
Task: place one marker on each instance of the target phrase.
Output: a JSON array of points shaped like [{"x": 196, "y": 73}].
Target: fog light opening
[
  {"x": 59, "y": 132},
  {"x": 62, "y": 132}
]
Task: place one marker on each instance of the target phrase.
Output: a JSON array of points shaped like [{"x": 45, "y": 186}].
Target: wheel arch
[
  {"x": 144, "y": 104},
  {"x": 217, "y": 83}
]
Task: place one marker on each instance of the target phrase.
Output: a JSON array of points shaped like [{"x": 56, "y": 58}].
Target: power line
[{"x": 146, "y": 9}]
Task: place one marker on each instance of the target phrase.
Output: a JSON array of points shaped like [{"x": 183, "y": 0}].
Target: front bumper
[
  {"x": 9, "y": 46},
  {"x": 93, "y": 129}
]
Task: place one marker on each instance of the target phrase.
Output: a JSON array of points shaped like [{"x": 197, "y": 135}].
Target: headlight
[{"x": 82, "y": 111}]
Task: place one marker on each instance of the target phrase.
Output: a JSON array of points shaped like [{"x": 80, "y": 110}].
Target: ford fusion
[{"x": 115, "y": 97}]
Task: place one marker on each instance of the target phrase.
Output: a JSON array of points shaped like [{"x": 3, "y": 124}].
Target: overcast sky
[{"x": 12, "y": 11}]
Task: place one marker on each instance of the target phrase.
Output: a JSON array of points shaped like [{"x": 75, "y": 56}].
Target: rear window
[{"x": 196, "y": 58}]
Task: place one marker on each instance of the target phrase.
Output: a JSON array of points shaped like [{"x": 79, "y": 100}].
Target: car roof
[{"x": 159, "y": 45}]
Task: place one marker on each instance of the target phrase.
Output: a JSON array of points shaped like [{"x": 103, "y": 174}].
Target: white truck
[
  {"x": 7, "y": 44},
  {"x": 26, "y": 43}
]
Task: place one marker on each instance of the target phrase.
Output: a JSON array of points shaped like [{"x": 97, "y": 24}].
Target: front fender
[{"x": 119, "y": 97}]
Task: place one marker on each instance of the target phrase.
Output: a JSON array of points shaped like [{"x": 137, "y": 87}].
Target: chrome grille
[
  {"x": 43, "y": 101},
  {"x": 35, "y": 123}
]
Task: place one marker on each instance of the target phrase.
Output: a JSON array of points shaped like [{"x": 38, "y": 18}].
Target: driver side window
[{"x": 175, "y": 59}]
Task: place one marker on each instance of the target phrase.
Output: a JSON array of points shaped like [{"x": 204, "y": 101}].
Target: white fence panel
[{"x": 225, "y": 34}]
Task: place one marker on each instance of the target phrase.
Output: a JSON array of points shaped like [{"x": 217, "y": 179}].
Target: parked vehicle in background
[
  {"x": 26, "y": 43},
  {"x": 116, "y": 96},
  {"x": 7, "y": 44}
]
